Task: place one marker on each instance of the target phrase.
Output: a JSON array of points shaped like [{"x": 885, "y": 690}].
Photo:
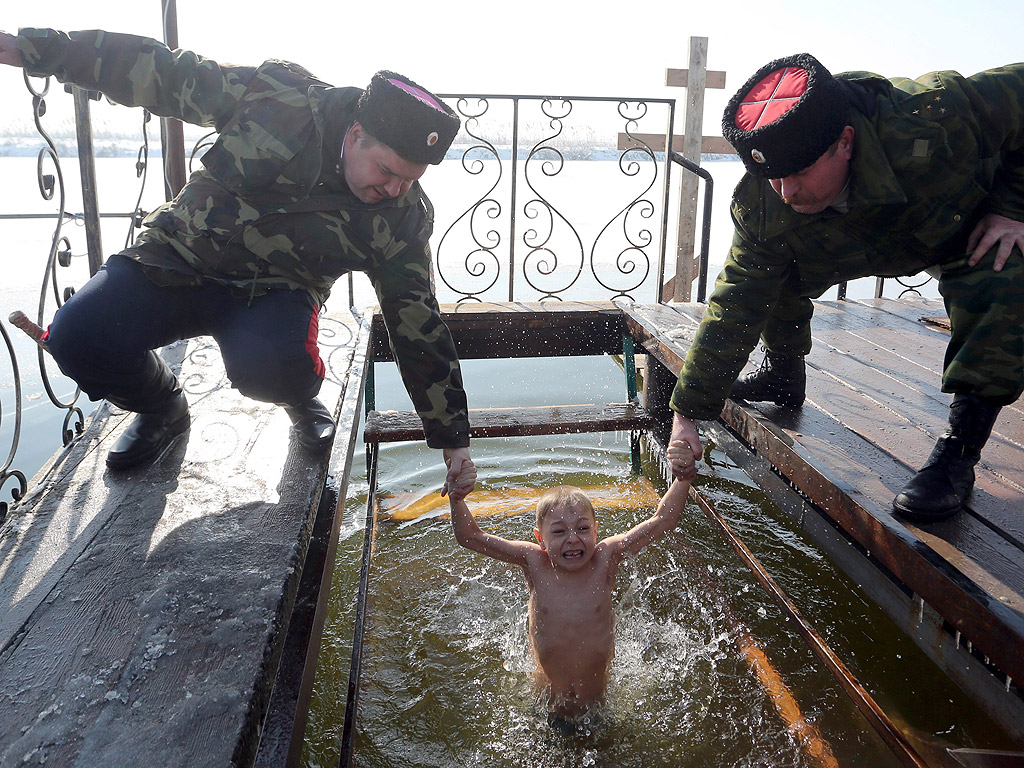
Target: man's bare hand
[
  {"x": 464, "y": 483},
  {"x": 9, "y": 50},
  {"x": 455, "y": 481},
  {"x": 681, "y": 460},
  {"x": 993, "y": 229},
  {"x": 685, "y": 430}
]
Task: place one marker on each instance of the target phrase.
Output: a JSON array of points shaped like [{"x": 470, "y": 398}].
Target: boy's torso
[{"x": 572, "y": 624}]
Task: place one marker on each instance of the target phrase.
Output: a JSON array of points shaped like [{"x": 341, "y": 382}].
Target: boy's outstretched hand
[
  {"x": 680, "y": 459},
  {"x": 464, "y": 482}
]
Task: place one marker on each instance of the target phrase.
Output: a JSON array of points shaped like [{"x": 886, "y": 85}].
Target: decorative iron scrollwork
[
  {"x": 546, "y": 258},
  {"x": 480, "y": 264},
  {"x": 632, "y": 262},
  {"x": 6, "y": 472}
]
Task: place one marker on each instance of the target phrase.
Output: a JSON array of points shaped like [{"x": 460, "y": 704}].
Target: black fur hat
[
  {"x": 408, "y": 118},
  {"x": 786, "y": 116}
]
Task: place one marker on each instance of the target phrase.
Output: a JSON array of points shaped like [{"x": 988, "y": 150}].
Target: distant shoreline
[{"x": 31, "y": 146}]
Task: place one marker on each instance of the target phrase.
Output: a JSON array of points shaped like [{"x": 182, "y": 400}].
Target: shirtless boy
[{"x": 570, "y": 576}]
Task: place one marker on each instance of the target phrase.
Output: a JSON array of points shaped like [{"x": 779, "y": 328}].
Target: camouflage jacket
[
  {"x": 269, "y": 209},
  {"x": 930, "y": 157}
]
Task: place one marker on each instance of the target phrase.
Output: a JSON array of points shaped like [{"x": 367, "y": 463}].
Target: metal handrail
[
  {"x": 705, "y": 230},
  {"x": 859, "y": 695},
  {"x": 525, "y": 259},
  {"x": 356, "y": 662}
]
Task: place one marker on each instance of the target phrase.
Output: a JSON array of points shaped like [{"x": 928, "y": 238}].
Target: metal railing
[
  {"x": 538, "y": 203},
  {"x": 555, "y": 209},
  {"x": 58, "y": 281}
]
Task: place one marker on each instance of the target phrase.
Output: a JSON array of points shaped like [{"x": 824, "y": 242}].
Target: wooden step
[{"x": 398, "y": 426}]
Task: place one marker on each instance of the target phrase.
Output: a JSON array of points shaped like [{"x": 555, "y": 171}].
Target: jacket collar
[{"x": 872, "y": 180}]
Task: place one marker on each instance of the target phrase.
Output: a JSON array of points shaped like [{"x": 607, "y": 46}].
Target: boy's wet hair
[{"x": 562, "y": 496}]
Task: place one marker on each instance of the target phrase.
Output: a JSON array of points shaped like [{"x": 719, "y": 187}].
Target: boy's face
[{"x": 569, "y": 535}]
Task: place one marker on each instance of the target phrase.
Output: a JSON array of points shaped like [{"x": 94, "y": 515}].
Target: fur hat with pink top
[
  {"x": 408, "y": 118},
  {"x": 786, "y": 116}
]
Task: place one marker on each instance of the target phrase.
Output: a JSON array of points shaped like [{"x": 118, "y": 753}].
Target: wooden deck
[
  {"x": 143, "y": 614},
  {"x": 872, "y": 416},
  {"x": 155, "y": 612}
]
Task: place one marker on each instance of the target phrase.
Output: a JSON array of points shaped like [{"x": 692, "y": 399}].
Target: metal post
[
  {"x": 512, "y": 206},
  {"x": 629, "y": 366},
  {"x": 172, "y": 136},
  {"x": 356, "y": 662},
  {"x": 87, "y": 166}
]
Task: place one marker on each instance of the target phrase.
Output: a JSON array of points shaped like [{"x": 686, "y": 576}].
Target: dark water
[{"x": 447, "y": 676}]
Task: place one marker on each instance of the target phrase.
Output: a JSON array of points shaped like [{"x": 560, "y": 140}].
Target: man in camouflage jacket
[
  {"x": 305, "y": 183},
  {"x": 872, "y": 177}
]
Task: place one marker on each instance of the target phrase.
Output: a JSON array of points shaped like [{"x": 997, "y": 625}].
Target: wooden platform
[
  {"x": 872, "y": 416},
  {"x": 143, "y": 614},
  {"x": 396, "y": 426},
  {"x": 155, "y": 612}
]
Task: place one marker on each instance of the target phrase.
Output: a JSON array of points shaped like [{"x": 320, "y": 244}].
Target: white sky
[{"x": 553, "y": 47}]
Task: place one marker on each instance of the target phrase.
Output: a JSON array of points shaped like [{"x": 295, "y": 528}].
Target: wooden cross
[
  {"x": 690, "y": 145},
  {"x": 695, "y": 80}
]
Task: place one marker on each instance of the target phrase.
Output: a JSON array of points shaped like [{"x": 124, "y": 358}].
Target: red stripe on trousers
[{"x": 311, "y": 347}]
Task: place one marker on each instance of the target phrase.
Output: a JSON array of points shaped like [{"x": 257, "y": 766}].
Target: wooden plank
[
  {"x": 686, "y": 264},
  {"x": 678, "y": 78},
  {"x": 665, "y": 331},
  {"x": 804, "y": 453},
  {"x": 878, "y": 374},
  {"x": 709, "y": 145},
  {"x": 914, "y": 310},
  {"x": 162, "y": 632},
  {"x": 919, "y": 313},
  {"x": 284, "y": 727},
  {"x": 524, "y": 329},
  {"x": 994, "y": 627},
  {"x": 398, "y": 426},
  {"x": 840, "y": 440}
]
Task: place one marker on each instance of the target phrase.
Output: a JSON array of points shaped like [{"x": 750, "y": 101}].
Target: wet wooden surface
[
  {"x": 525, "y": 329},
  {"x": 397, "y": 426},
  {"x": 143, "y": 614},
  {"x": 872, "y": 415}
]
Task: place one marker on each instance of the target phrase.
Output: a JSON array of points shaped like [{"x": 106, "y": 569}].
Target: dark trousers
[{"x": 103, "y": 337}]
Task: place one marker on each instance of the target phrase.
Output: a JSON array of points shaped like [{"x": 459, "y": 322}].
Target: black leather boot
[
  {"x": 945, "y": 481},
  {"x": 163, "y": 414},
  {"x": 313, "y": 425},
  {"x": 150, "y": 433},
  {"x": 781, "y": 379}
]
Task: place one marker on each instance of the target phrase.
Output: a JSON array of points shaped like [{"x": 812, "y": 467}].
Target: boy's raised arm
[
  {"x": 670, "y": 509},
  {"x": 469, "y": 534}
]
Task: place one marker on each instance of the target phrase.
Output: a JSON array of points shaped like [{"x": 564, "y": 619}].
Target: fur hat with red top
[
  {"x": 408, "y": 118},
  {"x": 785, "y": 116}
]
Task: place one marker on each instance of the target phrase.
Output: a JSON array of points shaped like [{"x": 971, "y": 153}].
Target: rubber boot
[
  {"x": 163, "y": 415},
  {"x": 945, "y": 481},
  {"x": 313, "y": 424},
  {"x": 781, "y": 379}
]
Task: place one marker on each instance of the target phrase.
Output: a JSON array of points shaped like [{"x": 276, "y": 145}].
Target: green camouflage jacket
[
  {"x": 269, "y": 208},
  {"x": 930, "y": 157}
]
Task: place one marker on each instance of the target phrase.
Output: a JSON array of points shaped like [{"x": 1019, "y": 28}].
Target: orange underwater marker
[
  {"x": 805, "y": 733},
  {"x": 503, "y": 502}
]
